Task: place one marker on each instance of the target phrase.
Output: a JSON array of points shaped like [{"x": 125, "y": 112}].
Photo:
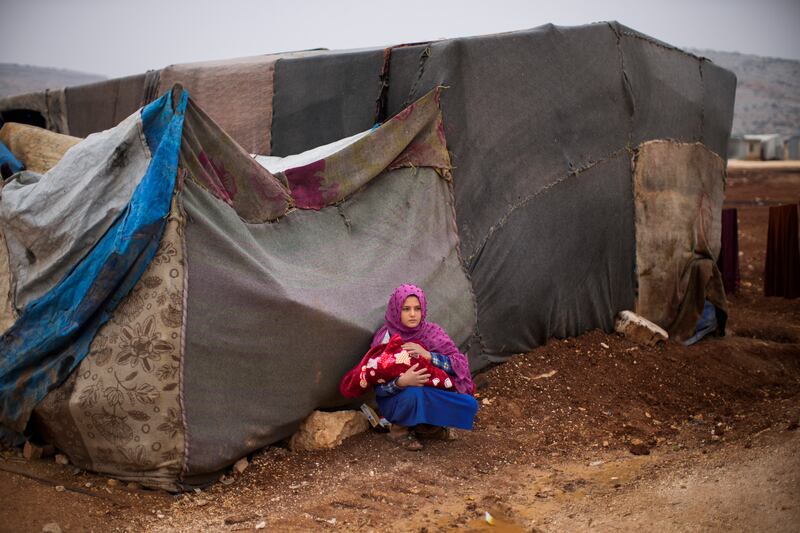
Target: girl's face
[{"x": 411, "y": 312}]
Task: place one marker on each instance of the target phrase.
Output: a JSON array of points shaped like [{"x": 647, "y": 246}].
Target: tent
[{"x": 535, "y": 183}]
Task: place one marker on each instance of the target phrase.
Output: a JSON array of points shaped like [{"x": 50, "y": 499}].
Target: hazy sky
[{"x": 120, "y": 37}]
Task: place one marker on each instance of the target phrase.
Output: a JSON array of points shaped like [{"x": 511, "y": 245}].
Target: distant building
[
  {"x": 763, "y": 147},
  {"x": 737, "y": 147},
  {"x": 791, "y": 147}
]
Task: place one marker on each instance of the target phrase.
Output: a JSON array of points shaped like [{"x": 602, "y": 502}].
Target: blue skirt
[{"x": 427, "y": 405}]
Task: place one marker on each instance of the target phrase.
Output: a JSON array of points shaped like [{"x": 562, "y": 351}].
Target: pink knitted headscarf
[{"x": 428, "y": 334}]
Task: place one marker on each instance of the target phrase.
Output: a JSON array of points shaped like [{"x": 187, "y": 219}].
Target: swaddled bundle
[{"x": 386, "y": 362}]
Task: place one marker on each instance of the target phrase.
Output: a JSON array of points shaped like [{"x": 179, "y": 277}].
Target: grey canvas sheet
[
  {"x": 306, "y": 115},
  {"x": 99, "y": 106},
  {"x": 570, "y": 253},
  {"x": 278, "y": 312},
  {"x": 526, "y": 111},
  {"x": 51, "y": 220},
  {"x": 50, "y": 104}
]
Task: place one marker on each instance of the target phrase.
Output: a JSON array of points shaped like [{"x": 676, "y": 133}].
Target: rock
[
  {"x": 61, "y": 459},
  {"x": 201, "y": 502},
  {"x": 111, "y": 482},
  {"x": 32, "y": 452},
  {"x": 51, "y": 527},
  {"x": 60, "y": 488},
  {"x": 323, "y": 430},
  {"x": 514, "y": 409},
  {"x": 481, "y": 381},
  {"x": 639, "y": 449},
  {"x": 134, "y": 486},
  {"x": 637, "y": 442},
  {"x": 639, "y": 329},
  {"x": 241, "y": 465},
  {"x": 261, "y": 525},
  {"x": 238, "y": 519}
]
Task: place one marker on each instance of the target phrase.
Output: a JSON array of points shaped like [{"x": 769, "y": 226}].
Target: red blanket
[{"x": 384, "y": 363}]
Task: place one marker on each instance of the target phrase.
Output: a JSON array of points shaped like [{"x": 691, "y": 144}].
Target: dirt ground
[{"x": 713, "y": 427}]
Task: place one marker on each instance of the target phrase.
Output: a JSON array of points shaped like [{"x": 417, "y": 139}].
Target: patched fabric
[
  {"x": 412, "y": 138},
  {"x": 7, "y": 312},
  {"x": 52, "y": 220},
  {"x": 236, "y": 93},
  {"x": 95, "y": 107},
  {"x": 36, "y": 148},
  {"x": 223, "y": 168},
  {"x": 52, "y": 334},
  {"x": 53, "y": 420},
  {"x": 678, "y": 193},
  {"x": 125, "y": 400}
]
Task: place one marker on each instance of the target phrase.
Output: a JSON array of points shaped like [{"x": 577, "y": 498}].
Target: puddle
[{"x": 500, "y": 524}]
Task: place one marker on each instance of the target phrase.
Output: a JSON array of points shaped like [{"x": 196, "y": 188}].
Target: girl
[{"x": 404, "y": 401}]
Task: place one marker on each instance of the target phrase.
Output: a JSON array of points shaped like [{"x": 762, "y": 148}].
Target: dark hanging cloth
[
  {"x": 782, "y": 269},
  {"x": 728, "y": 260}
]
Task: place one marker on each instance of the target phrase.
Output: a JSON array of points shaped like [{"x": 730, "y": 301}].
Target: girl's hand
[
  {"x": 413, "y": 377},
  {"x": 416, "y": 350}
]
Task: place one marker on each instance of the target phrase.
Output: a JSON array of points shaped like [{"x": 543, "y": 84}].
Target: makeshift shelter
[{"x": 525, "y": 198}]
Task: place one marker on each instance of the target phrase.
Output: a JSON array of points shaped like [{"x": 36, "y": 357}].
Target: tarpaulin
[
  {"x": 678, "y": 191},
  {"x": 526, "y": 113},
  {"x": 53, "y": 333},
  {"x": 46, "y": 108},
  {"x": 235, "y": 93},
  {"x": 96, "y": 107},
  {"x": 309, "y": 289},
  {"x": 8, "y": 163},
  {"x": 36, "y": 148},
  {"x": 52, "y": 220}
]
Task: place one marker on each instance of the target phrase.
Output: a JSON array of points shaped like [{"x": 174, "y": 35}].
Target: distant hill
[
  {"x": 767, "y": 93},
  {"x": 21, "y": 79}
]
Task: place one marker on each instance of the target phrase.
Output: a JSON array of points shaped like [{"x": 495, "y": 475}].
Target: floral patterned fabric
[
  {"x": 120, "y": 412},
  {"x": 7, "y": 313}
]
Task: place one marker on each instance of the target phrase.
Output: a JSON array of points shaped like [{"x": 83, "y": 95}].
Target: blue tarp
[
  {"x": 706, "y": 324},
  {"x": 53, "y": 333},
  {"x": 8, "y": 163}
]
